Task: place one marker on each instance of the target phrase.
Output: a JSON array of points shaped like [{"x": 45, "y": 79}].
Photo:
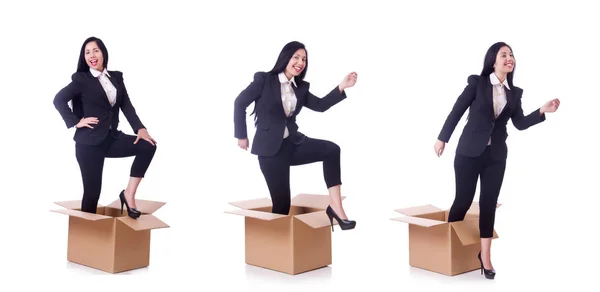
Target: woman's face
[
  {"x": 505, "y": 62},
  {"x": 93, "y": 56},
  {"x": 296, "y": 64}
]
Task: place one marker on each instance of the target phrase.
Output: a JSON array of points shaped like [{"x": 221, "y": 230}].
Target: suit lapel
[
  {"x": 489, "y": 96},
  {"x": 100, "y": 90},
  {"x": 276, "y": 90},
  {"x": 509, "y": 99},
  {"x": 300, "y": 95},
  {"x": 489, "y": 92},
  {"x": 117, "y": 84}
]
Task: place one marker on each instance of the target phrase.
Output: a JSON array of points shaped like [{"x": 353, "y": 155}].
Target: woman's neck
[{"x": 501, "y": 76}]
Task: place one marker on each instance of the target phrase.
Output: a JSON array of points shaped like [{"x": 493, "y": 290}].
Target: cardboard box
[
  {"x": 292, "y": 244},
  {"x": 439, "y": 246},
  {"x": 108, "y": 240}
]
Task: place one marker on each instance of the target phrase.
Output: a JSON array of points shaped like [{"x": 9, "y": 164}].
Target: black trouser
[
  {"x": 467, "y": 170},
  {"x": 91, "y": 163},
  {"x": 276, "y": 169}
]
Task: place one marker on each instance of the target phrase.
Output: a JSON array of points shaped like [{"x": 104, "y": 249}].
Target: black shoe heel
[
  {"x": 344, "y": 224},
  {"x": 131, "y": 212},
  {"x": 489, "y": 274}
]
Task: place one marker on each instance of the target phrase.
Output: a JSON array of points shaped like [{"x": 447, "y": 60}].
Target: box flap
[
  {"x": 72, "y": 205},
  {"x": 474, "y": 209},
  {"x": 144, "y": 222},
  {"x": 253, "y": 204},
  {"x": 467, "y": 231},
  {"x": 316, "y": 219},
  {"x": 144, "y": 206},
  {"x": 83, "y": 215},
  {"x": 424, "y": 222},
  {"x": 267, "y": 216},
  {"x": 419, "y": 210},
  {"x": 312, "y": 201}
]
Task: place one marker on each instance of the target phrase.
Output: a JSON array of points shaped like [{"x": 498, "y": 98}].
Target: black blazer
[
  {"x": 481, "y": 124},
  {"x": 90, "y": 100},
  {"x": 270, "y": 119}
]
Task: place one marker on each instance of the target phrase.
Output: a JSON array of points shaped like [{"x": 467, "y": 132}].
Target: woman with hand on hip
[
  {"x": 492, "y": 99},
  {"x": 279, "y": 95},
  {"x": 97, "y": 95}
]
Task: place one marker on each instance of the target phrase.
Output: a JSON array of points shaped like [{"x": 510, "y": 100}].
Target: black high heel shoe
[
  {"x": 489, "y": 274},
  {"x": 344, "y": 224},
  {"x": 131, "y": 212}
]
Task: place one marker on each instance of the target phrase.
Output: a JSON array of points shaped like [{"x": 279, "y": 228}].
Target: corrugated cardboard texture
[
  {"x": 90, "y": 243},
  {"x": 254, "y": 204},
  {"x": 429, "y": 248},
  {"x": 464, "y": 258},
  {"x": 132, "y": 248},
  {"x": 256, "y": 214},
  {"x": 144, "y": 222},
  {"x": 467, "y": 231},
  {"x": 418, "y": 210},
  {"x": 83, "y": 215},
  {"x": 269, "y": 244},
  {"x": 419, "y": 221},
  {"x": 439, "y": 246},
  {"x": 287, "y": 244},
  {"x": 76, "y": 205},
  {"x": 312, "y": 247},
  {"x": 439, "y": 215},
  {"x": 108, "y": 240}
]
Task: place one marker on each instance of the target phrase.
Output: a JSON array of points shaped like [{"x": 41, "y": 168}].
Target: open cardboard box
[
  {"x": 292, "y": 244},
  {"x": 448, "y": 248},
  {"x": 108, "y": 240}
]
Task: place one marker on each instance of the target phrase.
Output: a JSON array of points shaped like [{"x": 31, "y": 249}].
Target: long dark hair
[
  {"x": 82, "y": 65},
  {"x": 490, "y": 60},
  {"x": 284, "y": 58}
]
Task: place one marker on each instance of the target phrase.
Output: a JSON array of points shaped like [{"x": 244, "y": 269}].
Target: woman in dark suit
[
  {"x": 492, "y": 99},
  {"x": 279, "y": 95},
  {"x": 97, "y": 95}
]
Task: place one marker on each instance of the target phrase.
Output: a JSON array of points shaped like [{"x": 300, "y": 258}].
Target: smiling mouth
[
  {"x": 94, "y": 62},
  {"x": 298, "y": 69},
  {"x": 509, "y": 64}
]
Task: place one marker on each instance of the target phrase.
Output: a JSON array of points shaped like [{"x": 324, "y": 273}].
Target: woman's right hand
[
  {"x": 243, "y": 143},
  {"x": 86, "y": 122},
  {"x": 439, "y": 147}
]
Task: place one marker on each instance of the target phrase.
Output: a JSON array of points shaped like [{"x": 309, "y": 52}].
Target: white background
[{"x": 184, "y": 64}]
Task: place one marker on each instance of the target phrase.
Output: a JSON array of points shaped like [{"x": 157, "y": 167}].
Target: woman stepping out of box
[
  {"x": 278, "y": 96},
  {"x": 492, "y": 99},
  {"x": 97, "y": 95}
]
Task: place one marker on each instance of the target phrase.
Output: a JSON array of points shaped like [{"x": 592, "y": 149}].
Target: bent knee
[
  {"x": 333, "y": 148},
  {"x": 146, "y": 147}
]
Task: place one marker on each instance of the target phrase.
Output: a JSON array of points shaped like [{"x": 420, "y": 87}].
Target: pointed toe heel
[
  {"x": 131, "y": 212},
  {"x": 344, "y": 224}
]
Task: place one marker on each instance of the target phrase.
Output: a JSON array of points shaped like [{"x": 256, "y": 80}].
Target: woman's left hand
[
  {"x": 143, "y": 134},
  {"x": 348, "y": 81},
  {"x": 550, "y": 106}
]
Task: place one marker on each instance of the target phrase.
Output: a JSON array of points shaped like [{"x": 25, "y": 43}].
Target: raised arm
[
  {"x": 458, "y": 110},
  {"x": 333, "y": 97},
  {"x": 243, "y": 100},
  {"x": 323, "y": 104},
  {"x": 522, "y": 122}
]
